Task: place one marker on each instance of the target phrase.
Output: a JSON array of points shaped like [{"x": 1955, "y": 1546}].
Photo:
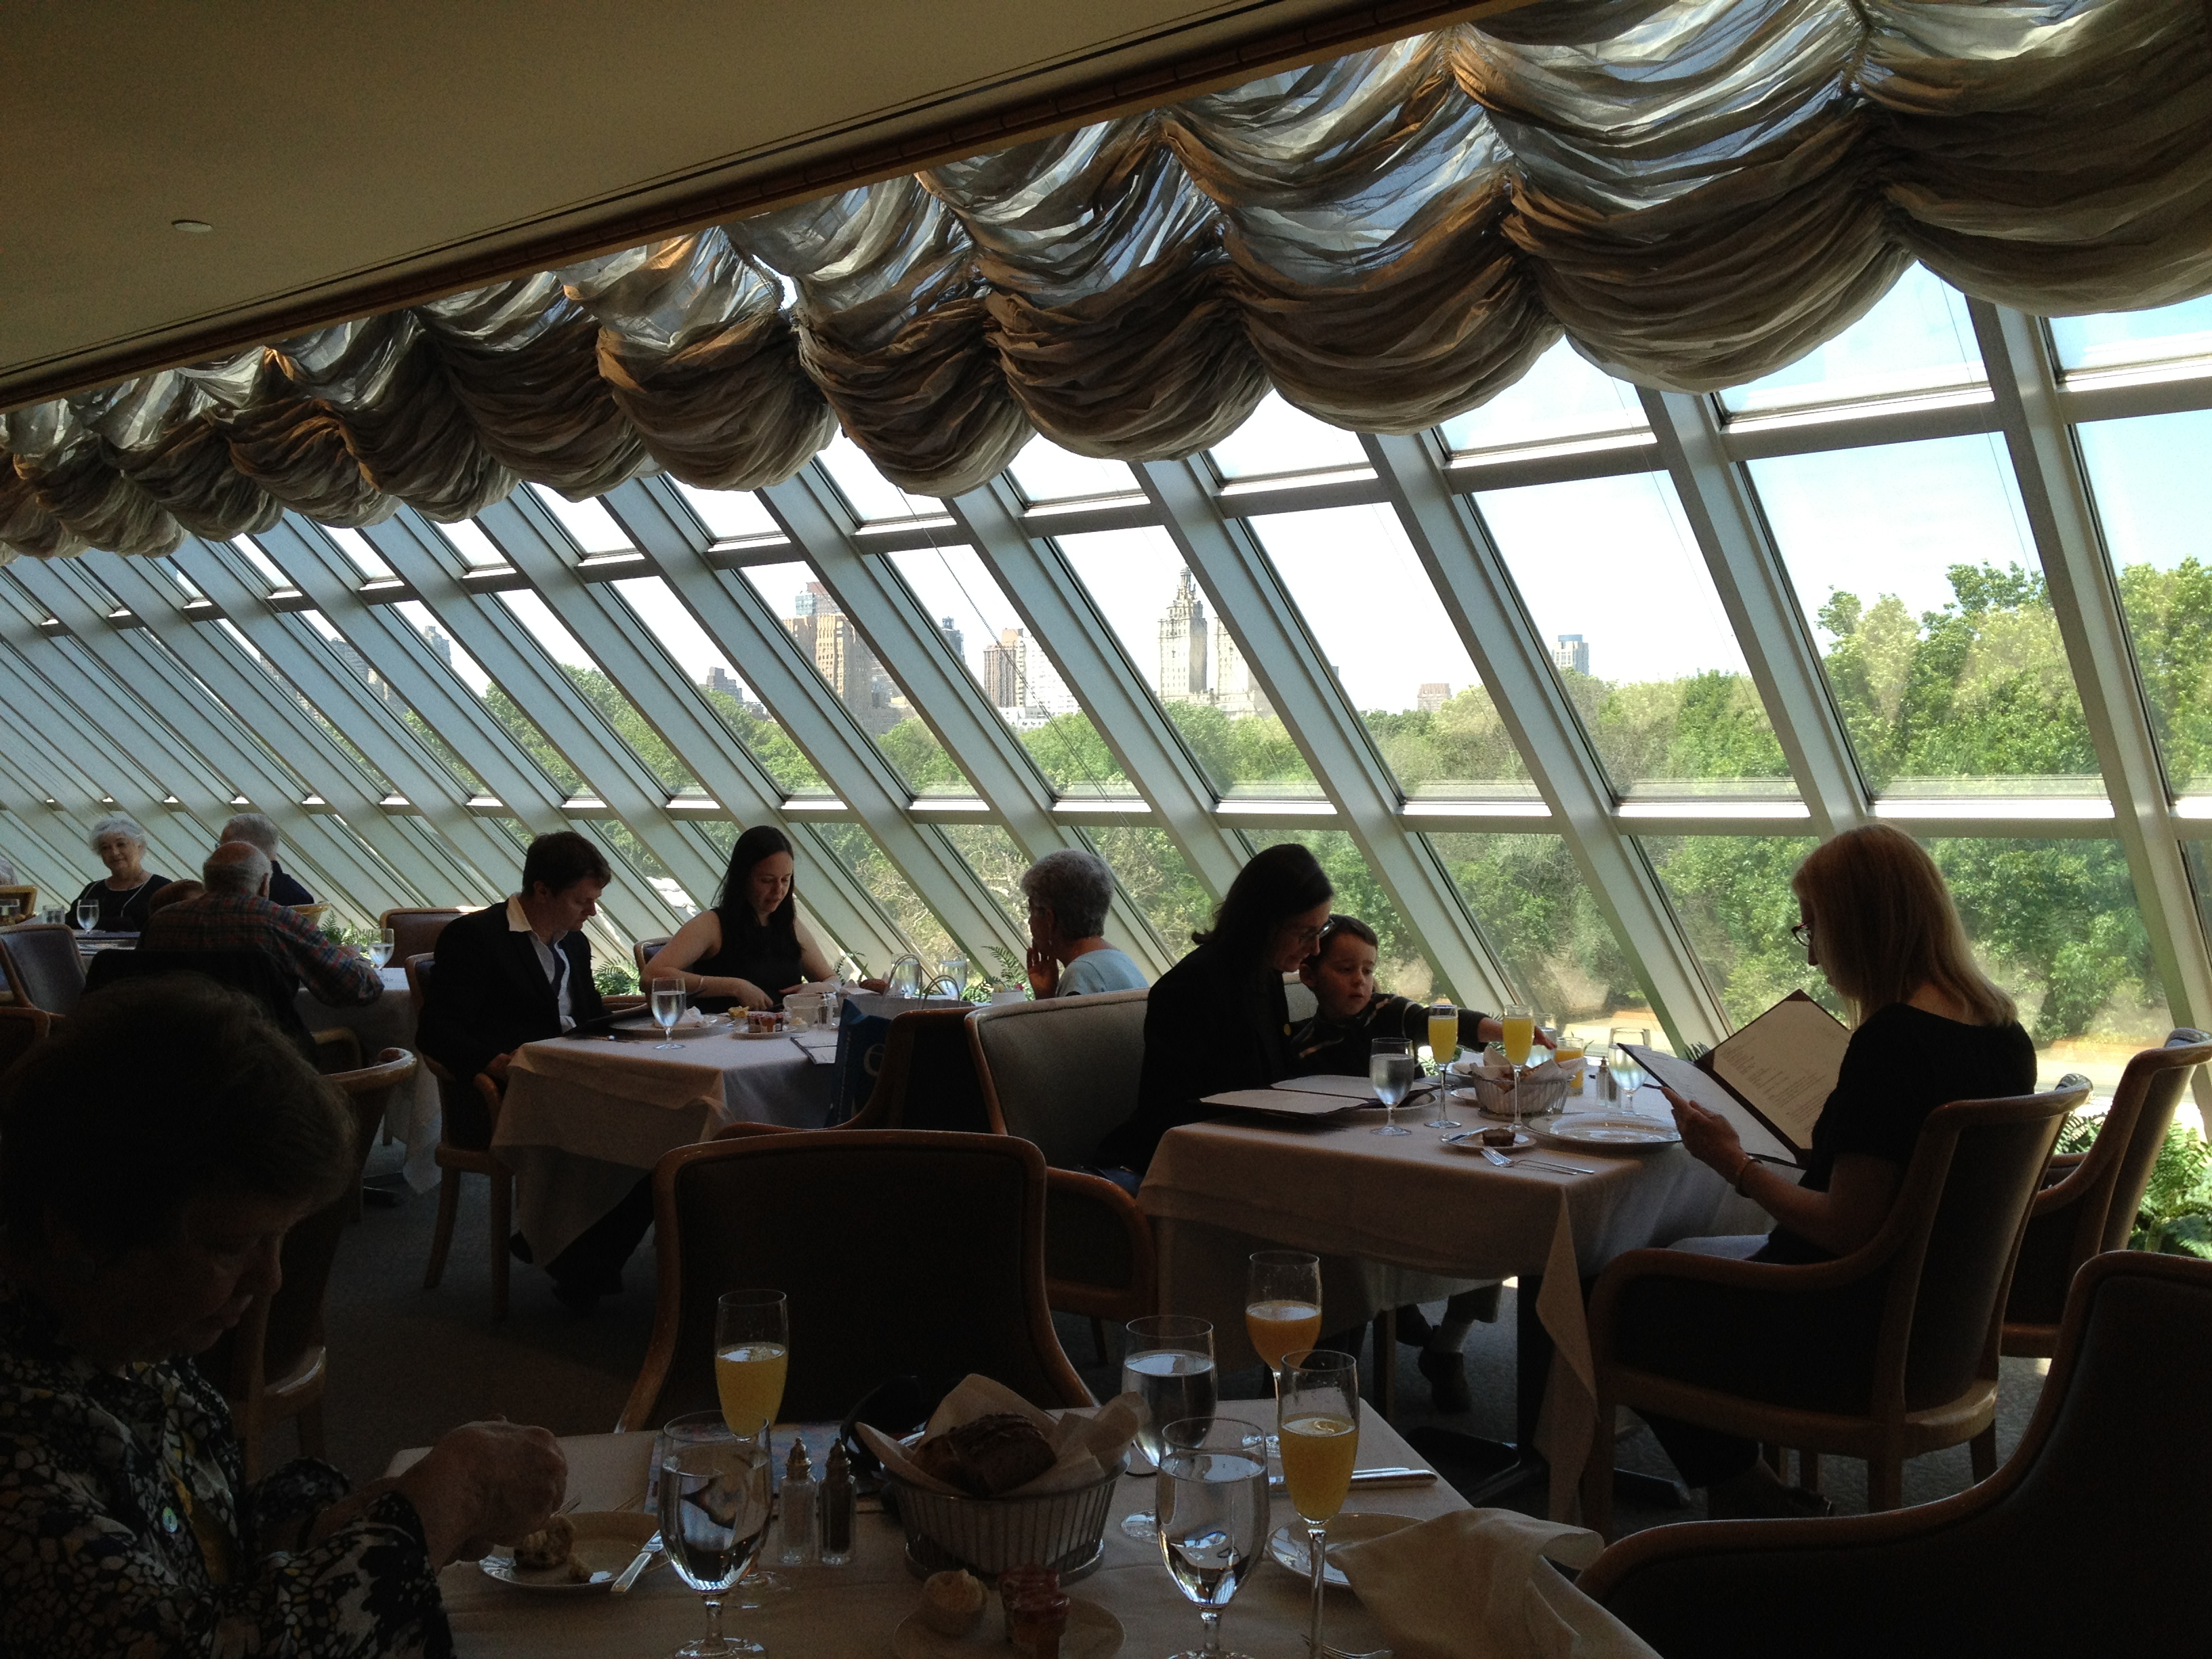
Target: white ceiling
[{"x": 352, "y": 158}]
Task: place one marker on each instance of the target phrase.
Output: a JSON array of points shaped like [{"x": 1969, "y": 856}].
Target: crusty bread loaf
[{"x": 987, "y": 1458}]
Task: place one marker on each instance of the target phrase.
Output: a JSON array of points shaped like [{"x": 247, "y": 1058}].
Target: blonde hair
[{"x": 1884, "y": 925}]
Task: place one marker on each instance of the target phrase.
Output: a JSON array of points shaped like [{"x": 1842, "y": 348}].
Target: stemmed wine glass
[
  {"x": 1168, "y": 1365},
  {"x": 1519, "y": 1025},
  {"x": 668, "y": 1000},
  {"x": 1627, "y": 1070},
  {"x": 1443, "y": 1048},
  {"x": 1213, "y": 1514},
  {"x": 381, "y": 951},
  {"x": 1393, "y": 1067},
  {"x": 714, "y": 1506},
  {"x": 752, "y": 1354},
  {"x": 1320, "y": 1412},
  {"x": 88, "y": 913},
  {"x": 1282, "y": 1306}
]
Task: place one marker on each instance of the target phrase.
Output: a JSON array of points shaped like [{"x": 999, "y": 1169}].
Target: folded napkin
[
  {"x": 1085, "y": 1444},
  {"x": 1474, "y": 1584}
]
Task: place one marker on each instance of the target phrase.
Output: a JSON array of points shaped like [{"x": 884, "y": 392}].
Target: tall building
[
  {"x": 954, "y": 638},
  {"x": 1571, "y": 652},
  {"x": 719, "y": 679},
  {"x": 841, "y": 657},
  {"x": 1234, "y": 688},
  {"x": 441, "y": 647},
  {"x": 1432, "y": 696},
  {"x": 1004, "y": 680},
  {"x": 1183, "y": 646}
]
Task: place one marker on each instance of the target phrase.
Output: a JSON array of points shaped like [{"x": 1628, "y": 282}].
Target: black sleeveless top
[{"x": 769, "y": 956}]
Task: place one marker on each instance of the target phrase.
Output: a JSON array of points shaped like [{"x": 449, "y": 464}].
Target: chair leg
[
  {"x": 1774, "y": 1455},
  {"x": 1885, "y": 1483},
  {"x": 502, "y": 1223},
  {"x": 1982, "y": 1451},
  {"x": 1098, "y": 1338},
  {"x": 310, "y": 1420},
  {"x": 441, "y": 1240}
]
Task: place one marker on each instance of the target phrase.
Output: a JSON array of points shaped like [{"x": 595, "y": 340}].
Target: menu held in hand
[{"x": 1770, "y": 1080}]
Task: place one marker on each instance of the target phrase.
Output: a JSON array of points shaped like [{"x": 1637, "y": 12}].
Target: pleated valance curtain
[{"x": 1695, "y": 194}]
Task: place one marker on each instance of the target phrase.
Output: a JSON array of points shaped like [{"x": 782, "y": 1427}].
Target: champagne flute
[
  {"x": 1519, "y": 1024},
  {"x": 668, "y": 1000},
  {"x": 88, "y": 913},
  {"x": 1282, "y": 1306},
  {"x": 1213, "y": 1514},
  {"x": 1321, "y": 1442},
  {"x": 1627, "y": 1070},
  {"x": 714, "y": 1506},
  {"x": 1443, "y": 1048},
  {"x": 752, "y": 1354},
  {"x": 1168, "y": 1365},
  {"x": 1392, "y": 1067},
  {"x": 380, "y": 952}
]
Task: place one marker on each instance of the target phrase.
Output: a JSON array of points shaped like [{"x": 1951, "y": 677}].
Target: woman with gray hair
[
  {"x": 1069, "y": 892},
  {"x": 120, "y": 896},
  {"x": 259, "y": 829}
]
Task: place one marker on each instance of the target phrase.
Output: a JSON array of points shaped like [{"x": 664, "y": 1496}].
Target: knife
[
  {"x": 638, "y": 1565},
  {"x": 1398, "y": 1476}
]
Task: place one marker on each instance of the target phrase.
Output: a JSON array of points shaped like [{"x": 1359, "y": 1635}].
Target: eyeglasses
[{"x": 1803, "y": 933}]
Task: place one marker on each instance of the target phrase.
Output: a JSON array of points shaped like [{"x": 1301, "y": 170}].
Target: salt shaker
[
  {"x": 839, "y": 1504},
  {"x": 799, "y": 1497}
]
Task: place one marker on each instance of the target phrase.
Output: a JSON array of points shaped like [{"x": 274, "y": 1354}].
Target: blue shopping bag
[{"x": 864, "y": 1024}]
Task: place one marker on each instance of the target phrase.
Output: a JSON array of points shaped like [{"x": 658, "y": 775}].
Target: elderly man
[
  {"x": 235, "y": 913},
  {"x": 258, "y": 829}
]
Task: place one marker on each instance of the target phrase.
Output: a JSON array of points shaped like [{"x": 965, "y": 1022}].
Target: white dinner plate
[
  {"x": 1288, "y": 1546},
  {"x": 1610, "y": 1132},
  {"x": 1093, "y": 1633},
  {"x": 607, "y": 1540}
]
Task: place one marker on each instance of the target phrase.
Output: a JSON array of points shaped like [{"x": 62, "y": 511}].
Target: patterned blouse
[{"x": 127, "y": 1531}]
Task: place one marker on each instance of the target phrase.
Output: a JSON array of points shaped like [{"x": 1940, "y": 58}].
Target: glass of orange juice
[
  {"x": 1319, "y": 1405},
  {"x": 1282, "y": 1306},
  {"x": 1518, "y": 1024}
]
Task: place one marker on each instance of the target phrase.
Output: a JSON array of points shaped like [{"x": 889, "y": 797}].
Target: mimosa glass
[
  {"x": 1282, "y": 1306},
  {"x": 1393, "y": 1068},
  {"x": 1518, "y": 1023},
  {"x": 1320, "y": 1410},
  {"x": 1443, "y": 1048}
]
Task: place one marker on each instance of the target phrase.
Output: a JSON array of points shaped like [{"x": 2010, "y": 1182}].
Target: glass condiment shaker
[
  {"x": 799, "y": 1501},
  {"x": 840, "y": 1504}
]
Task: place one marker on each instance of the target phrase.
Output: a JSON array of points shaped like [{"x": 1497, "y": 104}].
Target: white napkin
[
  {"x": 1085, "y": 1444},
  {"x": 1474, "y": 1584}
]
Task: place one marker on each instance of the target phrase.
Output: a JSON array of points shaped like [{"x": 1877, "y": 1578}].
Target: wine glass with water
[
  {"x": 1213, "y": 1514},
  {"x": 381, "y": 951},
  {"x": 668, "y": 1000},
  {"x": 1627, "y": 1070},
  {"x": 1320, "y": 1411},
  {"x": 1168, "y": 1365},
  {"x": 1393, "y": 1068},
  {"x": 87, "y": 914},
  {"x": 715, "y": 1504}
]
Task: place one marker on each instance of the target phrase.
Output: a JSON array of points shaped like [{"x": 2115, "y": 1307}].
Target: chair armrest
[
  {"x": 1761, "y": 1277},
  {"x": 2068, "y": 1178},
  {"x": 1111, "y": 1206}
]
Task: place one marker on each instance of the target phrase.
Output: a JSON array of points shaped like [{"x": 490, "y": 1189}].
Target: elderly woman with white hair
[
  {"x": 1069, "y": 892},
  {"x": 121, "y": 895}
]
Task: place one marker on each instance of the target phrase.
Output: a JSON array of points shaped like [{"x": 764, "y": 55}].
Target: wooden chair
[
  {"x": 1895, "y": 1344},
  {"x": 19, "y": 902},
  {"x": 42, "y": 966},
  {"x": 415, "y": 933},
  {"x": 902, "y": 1251},
  {"x": 1062, "y": 1073},
  {"x": 459, "y": 1159},
  {"x": 642, "y": 952},
  {"x": 927, "y": 1080},
  {"x": 369, "y": 1092},
  {"x": 21, "y": 1029},
  {"x": 2090, "y": 1540},
  {"x": 2091, "y": 1201}
]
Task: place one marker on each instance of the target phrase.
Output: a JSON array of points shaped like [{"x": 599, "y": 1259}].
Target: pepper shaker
[{"x": 839, "y": 1505}]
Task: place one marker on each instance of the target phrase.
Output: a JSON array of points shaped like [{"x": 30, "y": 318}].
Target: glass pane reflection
[
  {"x": 1563, "y": 396},
  {"x": 2126, "y": 339},
  {"x": 1917, "y": 339},
  {"x": 1277, "y": 439}
]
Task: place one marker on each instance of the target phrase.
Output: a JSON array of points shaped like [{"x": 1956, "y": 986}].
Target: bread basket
[
  {"x": 1544, "y": 1089},
  {"x": 987, "y": 1535}
]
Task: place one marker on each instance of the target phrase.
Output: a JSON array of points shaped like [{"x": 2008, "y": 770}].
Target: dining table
[
  {"x": 586, "y": 1116},
  {"x": 853, "y": 1612},
  {"x": 1374, "y": 1206}
]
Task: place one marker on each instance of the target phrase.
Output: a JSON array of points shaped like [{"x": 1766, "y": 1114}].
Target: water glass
[
  {"x": 1628, "y": 1071},
  {"x": 1168, "y": 1363},
  {"x": 1393, "y": 1068},
  {"x": 88, "y": 913},
  {"x": 668, "y": 1003},
  {"x": 952, "y": 976},
  {"x": 1212, "y": 1515},
  {"x": 381, "y": 951},
  {"x": 714, "y": 1506},
  {"x": 1320, "y": 1409}
]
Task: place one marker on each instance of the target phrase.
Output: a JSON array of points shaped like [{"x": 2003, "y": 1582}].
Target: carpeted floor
[{"x": 407, "y": 1363}]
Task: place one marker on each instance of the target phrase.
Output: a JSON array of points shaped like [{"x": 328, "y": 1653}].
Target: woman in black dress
[
  {"x": 751, "y": 947},
  {"x": 1217, "y": 1020},
  {"x": 1929, "y": 1027},
  {"x": 122, "y": 893}
]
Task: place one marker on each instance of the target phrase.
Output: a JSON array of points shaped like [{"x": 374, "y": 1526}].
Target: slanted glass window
[
  {"x": 589, "y": 525},
  {"x": 852, "y": 847},
  {"x": 597, "y": 688},
  {"x": 1373, "y": 612},
  {"x": 1919, "y": 577},
  {"x": 273, "y": 579},
  {"x": 1732, "y": 893},
  {"x": 2154, "y": 500},
  {"x": 362, "y": 552},
  {"x": 478, "y": 550},
  {"x": 1610, "y": 575},
  {"x": 1043, "y": 472},
  {"x": 664, "y": 616},
  {"x": 733, "y": 515},
  {"x": 503, "y": 710},
  {"x": 1152, "y": 870},
  {"x": 1564, "y": 398},
  {"x": 1917, "y": 340},
  {"x": 990, "y": 853},
  {"x": 1011, "y": 667},
  {"x": 290, "y": 692},
  {"x": 1186, "y": 654},
  {"x": 822, "y": 633},
  {"x": 1401, "y": 966},
  {"x": 1538, "y": 917},
  {"x": 352, "y": 662},
  {"x": 1278, "y": 440},
  {"x": 2166, "y": 336},
  {"x": 873, "y": 497}
]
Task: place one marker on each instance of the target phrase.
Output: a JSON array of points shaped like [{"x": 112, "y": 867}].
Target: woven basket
[
  {"x": 1538, "y": 1095},
  {"x": 987, "y": 1535}
]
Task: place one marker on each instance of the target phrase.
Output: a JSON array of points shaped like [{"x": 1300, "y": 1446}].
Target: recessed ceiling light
[{"x": 192, "y": 227}]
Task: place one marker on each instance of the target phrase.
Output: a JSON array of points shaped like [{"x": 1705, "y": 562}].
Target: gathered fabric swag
[{"x": 1694, "y": 194}]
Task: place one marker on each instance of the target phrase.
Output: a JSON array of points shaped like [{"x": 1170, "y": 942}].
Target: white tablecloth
[
  {"x": 1218, "y": 1191},
  {"x": 389, "y": 1022},
  {"x": 851, "y": 1612},
  {"x": 584, "y": 1118}
]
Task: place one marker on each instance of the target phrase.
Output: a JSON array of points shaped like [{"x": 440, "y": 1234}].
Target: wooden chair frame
[
  {"x": 1889, "y": 1432},
  {"x": 643, "y": 951},
  {"x": 456, "y": 1162},
  {"x": 401, "y": 920},
  {"x": 758, "y": 1141},
  {"x": 26, "y": 1028}
]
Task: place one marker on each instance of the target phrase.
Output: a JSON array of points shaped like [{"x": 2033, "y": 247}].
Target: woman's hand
[
  {"x": 484, "y": 1484},
  {"x": 745, "y": 991},
  {"x": 1707, "y": 1136},
  {"x": 1044, "y": 972}
]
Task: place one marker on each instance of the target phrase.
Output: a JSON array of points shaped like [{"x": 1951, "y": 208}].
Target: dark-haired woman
[
  {"x": 1217, "y": 1020},
  {"x": 152, "y": 1158},
  {"x": 751, "y": 947}
]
